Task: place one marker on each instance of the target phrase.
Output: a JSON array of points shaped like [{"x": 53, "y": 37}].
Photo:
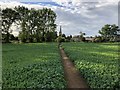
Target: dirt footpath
[{"x": 72, "y": 75}]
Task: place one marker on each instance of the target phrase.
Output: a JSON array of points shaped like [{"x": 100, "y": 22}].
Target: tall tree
[
  {"x": 48, "y": 24},
  {"x": 8, "y": 17},
  {"x": 31, "y": 23},
  {"x": 39, "y": 26},
  {"x": 22, "y": 21},
  {"x": 36, "y": 24}
]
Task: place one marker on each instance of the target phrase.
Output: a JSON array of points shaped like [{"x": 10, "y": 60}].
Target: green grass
[
  {"x": 98, "y": 62},
  {"x": 32, "y": 66}
]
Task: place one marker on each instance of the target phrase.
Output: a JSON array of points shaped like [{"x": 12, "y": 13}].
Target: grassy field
[
  {"x": 38, "y": 65},
  {"x": 98, "y": 63},
  {"x": 32, "y": 65}
]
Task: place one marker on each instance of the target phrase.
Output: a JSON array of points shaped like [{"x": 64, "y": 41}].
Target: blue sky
[
  {"x": 74, "y": 15},
  {"x": 45, "y": 3}
]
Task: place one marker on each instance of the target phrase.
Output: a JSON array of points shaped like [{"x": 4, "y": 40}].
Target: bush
[
  {"x": 83, "y": 39},
  {"x": 98, "y": 39},
  {"x": 60, "y": 39}
]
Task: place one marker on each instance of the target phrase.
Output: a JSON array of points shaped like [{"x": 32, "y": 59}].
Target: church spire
[{"x": 60, "y": 32}]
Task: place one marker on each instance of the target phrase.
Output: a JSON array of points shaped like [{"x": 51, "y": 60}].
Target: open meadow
[{"x": 98, "y": 62}]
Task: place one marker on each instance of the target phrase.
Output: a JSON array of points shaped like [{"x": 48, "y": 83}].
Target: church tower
[{"x": 60, "y": 32}]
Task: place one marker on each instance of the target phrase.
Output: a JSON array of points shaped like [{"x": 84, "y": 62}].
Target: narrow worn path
[{"x": 72, "y": 75}]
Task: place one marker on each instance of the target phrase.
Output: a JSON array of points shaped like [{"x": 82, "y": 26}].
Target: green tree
[
  {"x": 22, "y": 21},
  {"x": 31, "y": 23},
  {"x": 12, "y": 37},
  {"x": 45, "y": 24},
  {"x": 39, "y": 26},
  {"x": 82, "y": 38},
  {"x": 68, "y": 38},
  {"x": 50, "y": 36},
  {"x": 36, "y": 24},
  {"x": 8, "y": 17},
  {"x": 109, "y": 32},
  {"x": 48, "y": 21},
  {"x": 63, "y": 35},
  {"x": 98, "y": 39}
]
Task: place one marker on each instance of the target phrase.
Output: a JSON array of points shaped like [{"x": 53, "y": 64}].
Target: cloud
[
  {"x": 78, "y": 15},
  {"x": 89, "y": 17}
]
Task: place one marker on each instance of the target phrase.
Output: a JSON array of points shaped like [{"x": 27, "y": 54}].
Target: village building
[{"x": 77, "y": 39}]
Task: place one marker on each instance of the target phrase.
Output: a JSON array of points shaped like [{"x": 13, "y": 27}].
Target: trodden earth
[{"x": 72, "y": 75}]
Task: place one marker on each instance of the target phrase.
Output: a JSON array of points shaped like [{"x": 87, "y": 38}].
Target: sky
[{"x": 88, "y": 16}]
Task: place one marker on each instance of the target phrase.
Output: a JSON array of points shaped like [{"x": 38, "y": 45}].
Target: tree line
[
  {"x": 39, "y": 26},
  {"x": 36, "y": 25},
  {"x": 108, "y": 33}
]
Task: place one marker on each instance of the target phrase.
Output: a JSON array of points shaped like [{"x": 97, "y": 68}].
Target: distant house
[
  {"x": 89, "y": 39},
  {"x": 92, "y": 39},
  {"x": 77, "y": 38}
]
